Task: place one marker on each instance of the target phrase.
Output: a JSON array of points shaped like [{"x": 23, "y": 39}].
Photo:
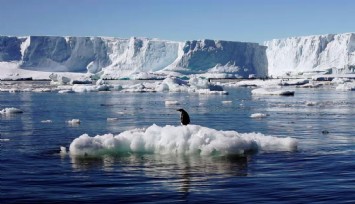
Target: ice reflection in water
[{"x": 178, "y": 173}]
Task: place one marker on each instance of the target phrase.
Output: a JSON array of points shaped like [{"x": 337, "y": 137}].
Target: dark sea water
[{"x": 322, "y": 170}]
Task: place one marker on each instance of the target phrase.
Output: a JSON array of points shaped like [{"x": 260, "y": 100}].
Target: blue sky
[{"x": 235, "y": 20}]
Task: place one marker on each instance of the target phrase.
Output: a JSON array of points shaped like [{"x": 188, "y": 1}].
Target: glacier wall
[
  {"x": 117, "y": 57},
  {"x": 58, "y": 54},
  {"x": 248, "y": 58},
  {"x": 311, "y": 53}
]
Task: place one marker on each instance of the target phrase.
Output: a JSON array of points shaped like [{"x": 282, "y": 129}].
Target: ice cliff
[
  {"x": 330, "y": 52},
  {"x": 140, "y": 57},
  {"x": 116, "y": 58}
]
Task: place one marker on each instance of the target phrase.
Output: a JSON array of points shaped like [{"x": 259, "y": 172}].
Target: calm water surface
[{"x": 321, "y": 171}]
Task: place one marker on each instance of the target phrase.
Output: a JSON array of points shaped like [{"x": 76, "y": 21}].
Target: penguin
[{"x": 185, "y": 118}]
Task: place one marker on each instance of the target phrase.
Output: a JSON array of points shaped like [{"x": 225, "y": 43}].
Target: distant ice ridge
[
  {"x": 114, "y": 58},
  {"x": 322, "y": 53},
  {"x": 185, "y": 140},
  {"x": 65, "y": 85}
]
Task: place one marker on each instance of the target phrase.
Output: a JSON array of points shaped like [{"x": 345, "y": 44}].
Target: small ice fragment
[
  {"x": 112, "y": 119},
  {"x": 73, "y": 121},
  {"x": 46, "y": 121},
  {"x": 262, "y": 91},
  {"x": 66, "y": 91},
  {"x": 226, "y": 102},
  {"x": 310, "y": 103},
  {"x": 7, "y": 111},
  {"x": 172, "y": 103},
  {"x": 258, "y": 115},
  {"x": 63, "y": 150}
]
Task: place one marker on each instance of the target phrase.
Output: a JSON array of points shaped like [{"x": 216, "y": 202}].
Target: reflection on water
[{"x": 176, "y": 172}]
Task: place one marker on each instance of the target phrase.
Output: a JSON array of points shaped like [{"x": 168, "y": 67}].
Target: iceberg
[{"x": 115, "y": 58}]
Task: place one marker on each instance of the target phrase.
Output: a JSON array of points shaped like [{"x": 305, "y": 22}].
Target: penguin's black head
[{"x": 181, "y": 110}]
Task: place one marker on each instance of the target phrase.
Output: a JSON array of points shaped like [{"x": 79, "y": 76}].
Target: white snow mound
[{"x": 185, "y": 140}]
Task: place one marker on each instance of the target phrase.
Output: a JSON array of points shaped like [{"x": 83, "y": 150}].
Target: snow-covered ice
[{"x": 185, "y": 140}]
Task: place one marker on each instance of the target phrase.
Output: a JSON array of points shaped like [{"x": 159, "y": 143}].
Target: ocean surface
[{"x": 322, "y": 170}]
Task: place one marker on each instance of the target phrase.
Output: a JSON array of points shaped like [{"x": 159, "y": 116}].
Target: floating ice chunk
[
  {"x": 262, "y": 91},
  {"x": 66, "y": 91},
  {"x": 46, "y": 121},
  {"x": 227, "y": 102},
  {"x": 83, "y": 88},
  {"x": 311, "y": 103},
  {"x": 73, "y": 121},
  {"x": 194, "y": 85},
  {"x": 8, "y": 111},
  {"x": 198, "y": 83},
  {"x": 190, "y": 139},
  {"x": 80, "y": 81},
  {"x": 137, "y": 88},
  {"x": 167, "y": 103},
  {"x": 209, "y": 92},
  {"x": 59, "y": 79},
  {"x": 39, "y": 90},
  {"x": 103, "y": 87},
  {"x": 163, "y": 87},
  {"x": 347, "y": 86},
  {"x": 339, "y": 80},
  {"x": 172, "y": 84},
  {"x": 312, "y": 84},
  {"x": 4, "y": 140},
  {"x": 116, "y": 87},
  {"x": 254, "y": 83},
  {"x": 293, "y": 82},
  {"x": 258, "y": 115},
  {"x": 14, "y": 90},
  {"x": 63, "y": 150},
  {"x": 112, "y": 119}
]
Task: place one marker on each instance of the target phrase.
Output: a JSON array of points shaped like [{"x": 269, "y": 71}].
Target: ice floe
[
  {"x": 8, "y": 111},
  {"x": 258, "y": 115},
  {"x": 185, "y": 140},
  {"x": 74, "y": 122},
  {"x": 262, "y": 91}
]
